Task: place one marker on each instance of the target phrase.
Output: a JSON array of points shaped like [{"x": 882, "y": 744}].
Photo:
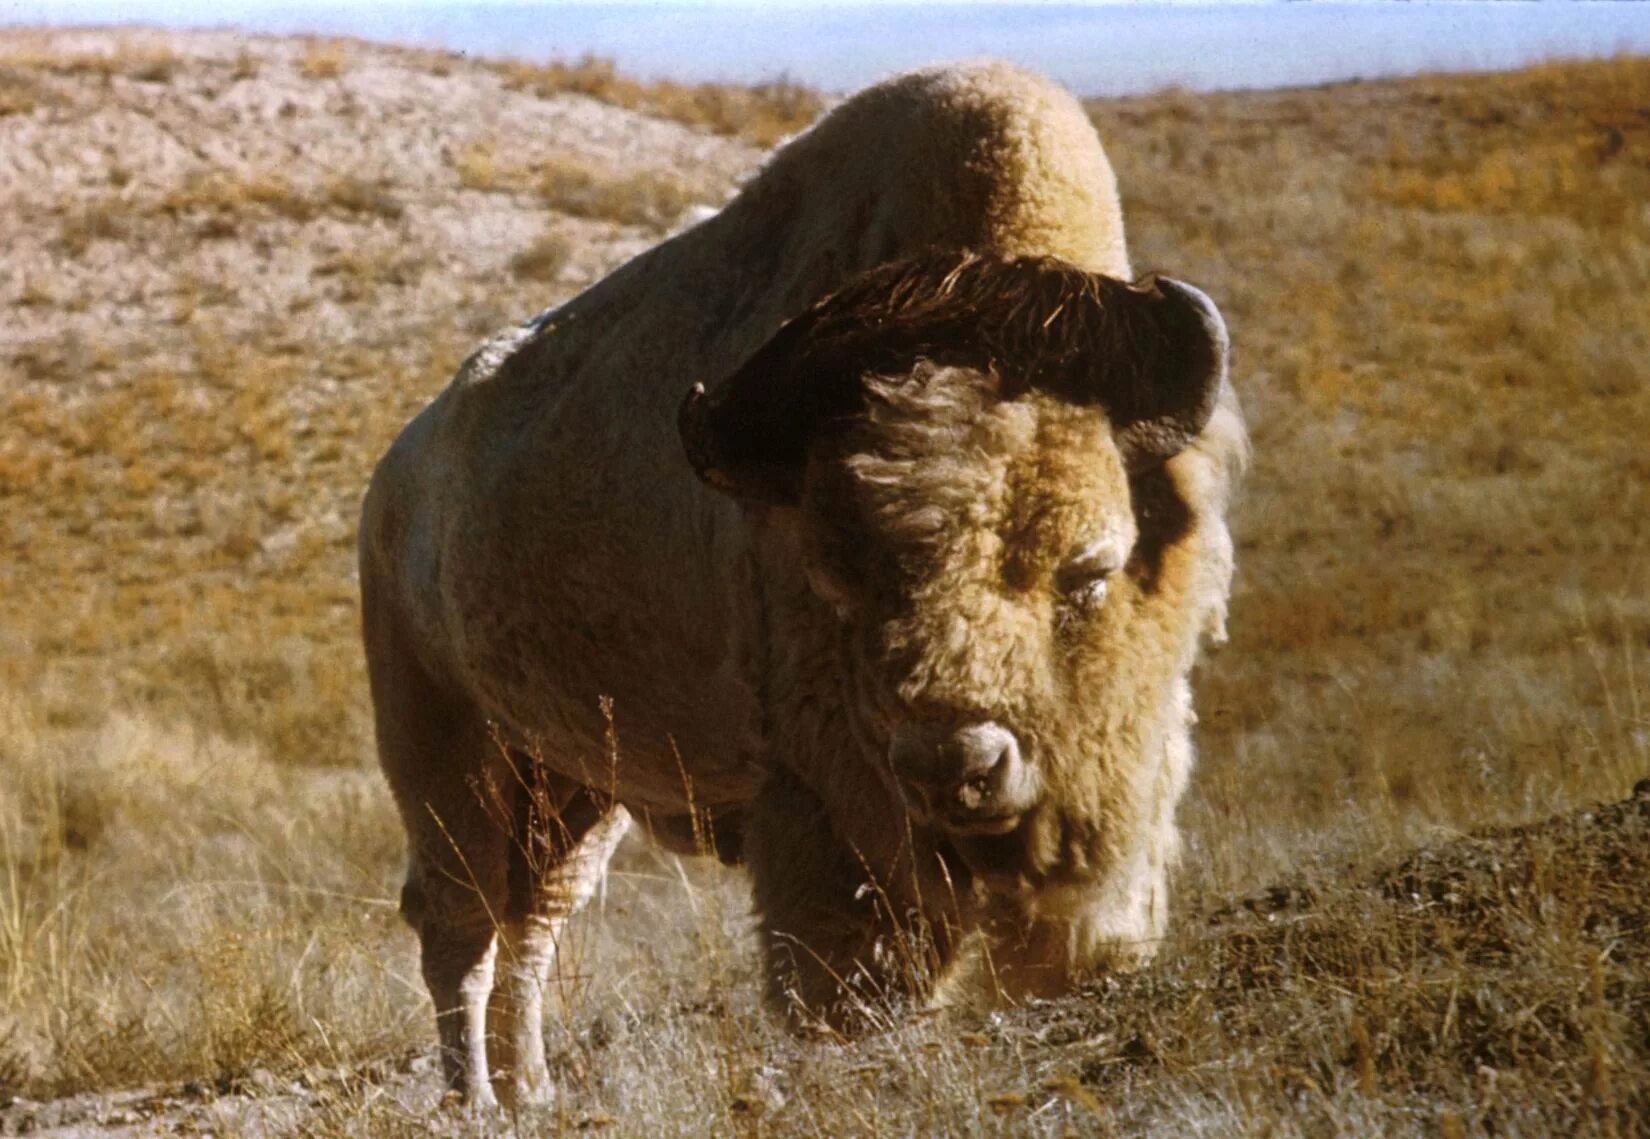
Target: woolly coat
[{"x": 536, "y": 533}]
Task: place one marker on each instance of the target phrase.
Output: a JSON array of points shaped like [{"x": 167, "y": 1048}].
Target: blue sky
[{"x": 1096, "y": 49}]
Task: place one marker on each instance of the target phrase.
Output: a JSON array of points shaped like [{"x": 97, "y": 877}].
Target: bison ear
[
  {"x": 749, "y": 437},
  {"x": 1162, "y": 395}
]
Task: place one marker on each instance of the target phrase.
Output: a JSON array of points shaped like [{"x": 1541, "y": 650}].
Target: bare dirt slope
[
  {"x": 231, "y": 268},
  {"x": 227, "y": 261}
]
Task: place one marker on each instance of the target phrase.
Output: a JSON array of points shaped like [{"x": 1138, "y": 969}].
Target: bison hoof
[
  {"x": 479, "y": 1103},
  {"x": 527, "y": 1095}
]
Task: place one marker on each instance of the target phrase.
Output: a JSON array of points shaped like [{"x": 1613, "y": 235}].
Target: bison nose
[{"x": 970, "y": 779}]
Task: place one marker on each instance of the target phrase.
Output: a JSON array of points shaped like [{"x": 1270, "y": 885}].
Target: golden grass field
[{"x": 232, "y": 268}]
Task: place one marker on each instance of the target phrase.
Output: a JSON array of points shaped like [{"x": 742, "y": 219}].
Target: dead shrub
[
  {"x": 642, "y": 198},
  {"x": 762, "y": 114},
  {"x": 324, "y": 59},
  {"x": 221, "y": 201},
  {"x": 363, "y": 196},
  {"x": 544, "y": 259},
  {"x": 105, "y": 219},
  {"x": 477, "y": 166}
]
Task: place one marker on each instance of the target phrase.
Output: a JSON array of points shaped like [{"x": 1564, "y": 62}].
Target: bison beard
[{"x": 916, "y": 640}]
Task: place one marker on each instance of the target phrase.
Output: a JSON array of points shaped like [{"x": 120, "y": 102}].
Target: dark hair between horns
[{"x": 1143, "y": 352}]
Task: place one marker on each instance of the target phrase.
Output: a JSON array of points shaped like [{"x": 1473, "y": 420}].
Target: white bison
[{"x": 899, "y": 605}]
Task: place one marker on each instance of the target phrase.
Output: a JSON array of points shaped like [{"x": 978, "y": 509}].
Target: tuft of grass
[
  {"x": 18, "y": 94},
  {"x": 324, "y": 59},
  {"x": 103, "y": 219},
  {"x": 363, "y": 271},
  {"x": 478, "y": 168},
  {"x": 221, "y": 200},
  {"x": 155, "y": 68},
  {"x": 571, "y": 185},
  {"x": 762, "y": 114},
  {"x": 644, "y": 198},
  {"x": 363, "y": 196},
  {"x": 544, "y": 259}
]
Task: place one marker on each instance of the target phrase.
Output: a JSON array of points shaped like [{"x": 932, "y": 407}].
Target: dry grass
[
  {"x": 762, "y": 114},
  {"x": 232, "y": 922},
  {"x": 219, "y": 202},
  {"x": 478, "y": 168},
  {"x": 544, "y": 259},
  {"x": 1436, "y": 292},
  {"x": 222, "y": 199},
  {"x": 137, "y": 56},
  {"x": 325, "y": 58},
  {"x": 18, "y": 96},
  {"x": 644, "y": 198},
  {"x": 101, "y": 219},
  {"x": 568, "y": 184},
  {"x": 1443, "y": 572},
  {"x": 363, "y": 196}
]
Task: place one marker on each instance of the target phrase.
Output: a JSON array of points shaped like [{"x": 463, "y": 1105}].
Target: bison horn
[
  {"x": 1160, "y": 403},
  {"x": 747, "y": 439}
]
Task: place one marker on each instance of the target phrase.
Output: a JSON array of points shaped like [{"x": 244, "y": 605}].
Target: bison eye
[
  {"x": 1086, "y": 595},
  {"x": 1083, "y": 581}
]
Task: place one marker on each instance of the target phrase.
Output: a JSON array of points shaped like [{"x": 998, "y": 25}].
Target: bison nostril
[
  {"x": 985, "y": 762},
  {"x": 977, "y": 792}
]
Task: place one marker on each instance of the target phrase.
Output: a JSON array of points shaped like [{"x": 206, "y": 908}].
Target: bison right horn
[{"x": 1175, "y": 392}]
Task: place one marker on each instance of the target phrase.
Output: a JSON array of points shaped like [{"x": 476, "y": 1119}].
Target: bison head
[{"x": 968, "y": 455}]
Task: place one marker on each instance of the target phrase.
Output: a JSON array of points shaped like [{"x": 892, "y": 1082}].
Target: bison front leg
[
  {"x": 850, "y": 931},
  {"x": 564, "y": 837},
  {"x": 444, "y": 769},
  {"x": 453, "y": 899}
]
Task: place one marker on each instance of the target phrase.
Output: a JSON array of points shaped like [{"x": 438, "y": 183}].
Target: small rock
[{"x": 45, "y": 1116}]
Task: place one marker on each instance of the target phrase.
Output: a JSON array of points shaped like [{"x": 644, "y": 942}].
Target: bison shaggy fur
[{"x": 878, "y": 519}]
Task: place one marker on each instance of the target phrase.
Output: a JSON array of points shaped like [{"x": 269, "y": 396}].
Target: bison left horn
[
  {"x": 747, "y": 439},
  {"x": 1163, "y": 398}
]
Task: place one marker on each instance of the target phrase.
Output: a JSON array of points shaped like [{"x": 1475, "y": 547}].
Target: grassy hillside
[{"x": 233, "y": 268}]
